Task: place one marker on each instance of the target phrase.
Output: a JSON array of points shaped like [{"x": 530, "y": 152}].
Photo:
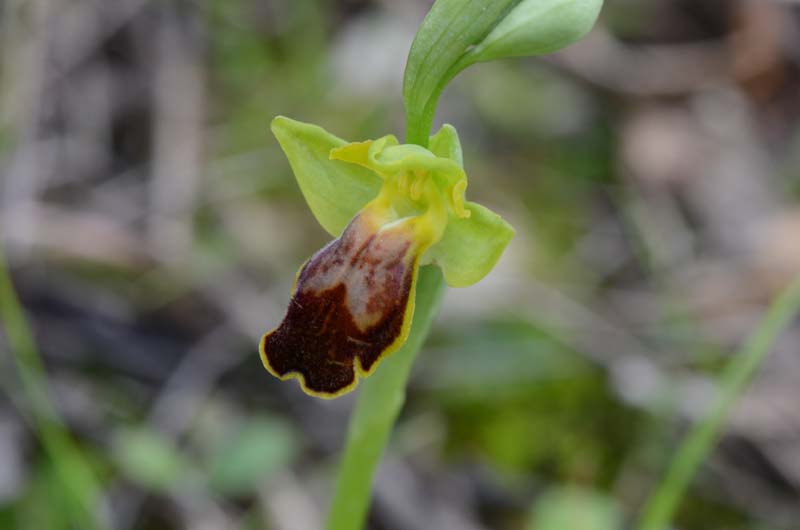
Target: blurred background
[{"x": 153, "y": 229}]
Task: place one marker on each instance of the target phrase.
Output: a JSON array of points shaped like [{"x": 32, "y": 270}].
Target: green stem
[
  {"x": 420, "y": 123},
  {"x": 79, "y": 488},
  {"x": 382, "y": 395},
  {"x": 659, "y": 510},
  {"x": 379, "y": 402}
]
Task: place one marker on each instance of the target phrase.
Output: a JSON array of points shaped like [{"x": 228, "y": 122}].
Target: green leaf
[
  {"x": 471, "y": 247},
  {"x": 701, "y": 439},
  {"x": 30, "y": 513},
  {"x": 79, "y": 487},
  {"x": 334, "y": 190},
  {"x": 262, "y": 447},
  {"x": 567, "y": 508},
  {"x": 536, "y": 27},
  {"x": 150, "y": 460}
]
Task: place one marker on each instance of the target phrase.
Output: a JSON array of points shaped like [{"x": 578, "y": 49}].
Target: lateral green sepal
[
  {"x": 334, "y": 190},
  {"x": 470, "y": 247}
]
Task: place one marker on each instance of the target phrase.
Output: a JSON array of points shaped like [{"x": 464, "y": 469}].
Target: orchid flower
[{"x": 392, "y": 208}]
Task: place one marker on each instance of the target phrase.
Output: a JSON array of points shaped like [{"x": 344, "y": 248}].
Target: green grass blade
[
  {"x": 78, "y": 485},
  {"x": 379, "y": 402},
  {"x": 659, "y": 510}
]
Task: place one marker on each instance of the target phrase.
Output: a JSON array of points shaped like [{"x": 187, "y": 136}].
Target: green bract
[
  {"x": 536, "y": 27},
  {"x": 460, "y": 33},
  {"x": 339, "y": 179}
]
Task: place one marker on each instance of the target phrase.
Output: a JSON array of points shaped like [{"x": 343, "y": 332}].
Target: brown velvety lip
[{"x": 351, "y": 307}]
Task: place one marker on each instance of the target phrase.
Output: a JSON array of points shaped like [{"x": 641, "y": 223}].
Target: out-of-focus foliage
[
  {"x": 251, "y": 456},
  {"x": 151, "y": 461},
  {"x": 575, "y": 508},
  {"x": 543, "y": 407}
]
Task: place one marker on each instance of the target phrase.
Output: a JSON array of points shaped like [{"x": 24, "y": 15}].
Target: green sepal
[
  {"x": 536, "y": 27},
  {"x": 470, "y": 247},
  {"x": 334, "y": 190}
]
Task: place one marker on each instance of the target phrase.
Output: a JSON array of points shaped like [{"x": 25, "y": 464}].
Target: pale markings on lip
[
  {"x": 350, "y": 303},
  {"x": 356, "y": 341},
  {"x": 370, "y": 275}
]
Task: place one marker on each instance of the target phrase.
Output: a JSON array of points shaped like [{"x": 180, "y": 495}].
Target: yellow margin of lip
[{"x": 405, "y": 329}]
